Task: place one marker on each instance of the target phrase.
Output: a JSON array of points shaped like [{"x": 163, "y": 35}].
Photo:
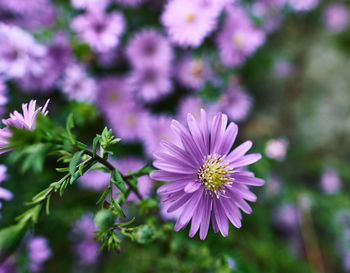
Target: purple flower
[
  {"x": 89, "y": 4},
  {"x": 4, "y": 194},
  {"x": 284, "y": 69},
  {"x": 3, "y": 95},
  {"x": 330, "y": 181},
  {"x": 39, "y": 252},
  {"x": 99, "y": 29},
  {"x": 148, "y": 47},
  {"x": 95, "y": 180},
  {"x": 24, "y": 121},
  {"x": 269, "y": 11},
  {"x": 274, "y": 185},
  {"x": 144, "y": 184},
  {"x": 189, "y": 22},
  {"x": 150, "y": 82},
  {"x": 127, "y": 121},
  {"x": 206, "y": 180},
  {"x": 239, "y": 38},
  {"x": 277, "y": 148},
  {"x": 158, "y": 129},
  {"x": 19, "y": 52},
  {"x": 303, "y": 5},
  {"x": 236, "y": 103},
  {"x": 84, "y": 245},
  {"x": 193, "y": 72},
  {"x": 113, "y": 92},
  {"x": 77, "y": 85},
  {"x": 194, "y": 105},
  {"x": 346, "y": 262},
  {"x": 287, "y": 217},
  {"x": 8, "y": 267},
  {"x": 130, "y": 3},
  {"x": 336, "y": 17}
]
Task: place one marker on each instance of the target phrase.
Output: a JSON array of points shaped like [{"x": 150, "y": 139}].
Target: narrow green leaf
[
  {"x": 62, "y": 170},
  {"x": 117, "y": 208},
  {"x": 103, "y": 196},
  {"x": 95, "y": 143},
  {"x": 126, "y": 223},
  {"x": 69, "y": 127},
  {"x": 74, "y": 161},
  {"x": 47, "y": 208},
  {"x": 118, "y": 180}
]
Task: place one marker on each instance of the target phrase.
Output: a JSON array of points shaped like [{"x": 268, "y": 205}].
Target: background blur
[{"x": 285, "y": 81}]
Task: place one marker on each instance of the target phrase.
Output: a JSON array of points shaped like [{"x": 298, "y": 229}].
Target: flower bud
[
  {"x": 104, "y": 219},
  {"x": 144, "y": 234}
]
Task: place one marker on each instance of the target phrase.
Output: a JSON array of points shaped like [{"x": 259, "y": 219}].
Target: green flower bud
[
  {"x": 144, "y": 234},
  {"x": 104, "y": 219}
]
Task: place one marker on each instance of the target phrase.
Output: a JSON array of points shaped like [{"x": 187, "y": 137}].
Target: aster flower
[
  {"x": 239, "y": 38},
  {"x": 150, "y": 82},
  {"x": 39, "y": 252},
  {"x": 77, "y": 84},
  {"x": 193, "y": 72},
  {"x": 4, "y": 193},
  {"x": 129, "y": 123},
  {"x": 277, "y": 148},
  {"x": 113, "y": 92},
  {"x": 19, "y": 52},
  {"x": 158, "y": 129},
  {"x": 336, "y": 17},
  {"x": 99, "y": 29},
  {"x": 194, "y": 105},
  {"x": 22, "y": 121},
  {"x": 144, "y": 183},
  {"x": 269, "y": 11},
  {"x": 206, "y": 180},
  {"x": 189, "y": 22},
  {"x": 148, "y": 47},
  {"x": 3, "y": 95},
  {"x": 287, "y": 217},
  {"x": 236, "y": 103},
  {"x": 330, "y": 181},
  {"x": 89, "y": 4},
  {"x": 303, "y": 5}
]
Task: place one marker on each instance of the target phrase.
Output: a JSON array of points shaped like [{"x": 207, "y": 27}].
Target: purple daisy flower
[
  {"x": 303, "y": 5},
  {"x": 148, "y": 47},
  {"x": 150, "y": 82},
  {"x": 336, "y": 17},
  {"x": 193, "y": 72},
  {"x": 77, "y": 84},
  {"x": 236, "y": 103},
  {"x": 127, "y": 121},
  {"x": 24, "y": 121},
  {"x": 99, "y": 29},
  {"x": 239, "y": 38},
  {"x": 158, "y": 129},
  {"x": 19, "y": 52},
  {"x": 130, "y": 3},
  {"x": 206, "y": 180},
  {"x": 269, "y": 11},
  {"x": 4, "y": 193},
  {"x": 277, "y": 148},
  {"x": 3, "y": 95},
  {"x": 189, "y": 22},
  {"x": 89, "y": 4},
  {"x": 39, "y": 252},
  {"x": 287, "y": 217},
  {"x": 330, "y": 181},
  {"x": 113, "y": 92},
  {"x": 144, "y": 183}
]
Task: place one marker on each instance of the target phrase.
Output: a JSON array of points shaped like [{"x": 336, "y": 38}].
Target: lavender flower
[
  {"x": 148, "y": 47},
  {"x": 336, "y": 17},
  {"x": 287, "y": 217},
  {"x": 283, "y": 69},
  {"x": 77, "y": 85},
  {"x": 3, "y": 95},
  {"x": 150, "y": 82},
  {"x": 277, "y": 148},
  {"x": 236, "y": 103},
  {"x": 19, "y": 52},
  {"x": 8, "y": 267},
  {"x": 99, "y": 29},
  {"x": 23, "y": 121},
  {"x": 239, "y": 38},
  {"x": 269, "y": 11},
  {"x": 158, "y": 129},
  {"x": 4, "y": 194},
  {"x": 303, "y": 5},
  {"x": 193, "y": 73},
  {"x": 39, "y": 252},
  {"x": 129, "y": 122},
  {"x": 206, "y": 179},
  {"x": 83, "y": 234},
  {"x": 189, "y": 22},
  {"x": 194, "y": 105},
  {"x": 89, "y": 4},
  {"x": 330, "y": 181},
  {"x": 113, "y": 92},
  {"x": 144, "y": 184}
]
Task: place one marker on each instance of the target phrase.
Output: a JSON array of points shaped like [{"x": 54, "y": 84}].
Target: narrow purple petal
[
  {"x": 173, "y": 167},
  {"x": 197, "y": 217},
  {"x": 166, "y": 176},
  {"x": 220, "y": 217},
  {"x": 245, "y": 161},
  {"x": 228, "y": 139},
  {"x": 196, "y": 134},
  {"x": 206, "y": 217},
  {"x": 172, "y": 187},
  {"x": 178, "y": 152},
  {"x": 205, "y": 129},
  {"x": 180, "y": 202},
  {"x": 192, "y": 186},
  {"x": 248, "y": 180},
  {"x": 240, "y": 151}
]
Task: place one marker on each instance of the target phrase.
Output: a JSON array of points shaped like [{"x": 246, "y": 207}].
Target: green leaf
[
  {"x": 74, "y": 177},
  {"x": 69, "y": 127},
  {"x": 95, "y": 143},
  {"x": 74, "y": 161},
  {"x": 126, "y": 223},
  {"x": 118, "y": 180},
  {"x": 117, "y": 208},
  {"x": 47, "y": 208},
  {"x": 104, "y": 195},
  {"x": 62, "y": 170}
]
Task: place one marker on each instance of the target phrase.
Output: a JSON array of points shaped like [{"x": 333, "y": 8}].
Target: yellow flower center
[
  {"x": 113, "y": 96},
  {"x": 214, "y": 174},
  {"x": 190, "y": 17},
  {"x": 237, "y": 40}
]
